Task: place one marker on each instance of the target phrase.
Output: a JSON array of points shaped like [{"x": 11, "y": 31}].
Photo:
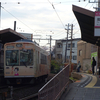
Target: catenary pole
[
  {"x": 66, "y": 42},
  {"x": 98, "y": 5},
  {"x": 71, "y": 48}
]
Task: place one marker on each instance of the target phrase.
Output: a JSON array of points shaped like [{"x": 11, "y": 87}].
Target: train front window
[
  {"x": 12, "y": 57},
  {"x": 26, "y": 57}
]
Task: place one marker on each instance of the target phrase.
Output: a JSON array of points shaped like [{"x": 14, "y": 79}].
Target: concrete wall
[
  {"x": 85, "y": 58},
  {"x": 87, "y": 64},
  {"x": 86, "y": 53}
]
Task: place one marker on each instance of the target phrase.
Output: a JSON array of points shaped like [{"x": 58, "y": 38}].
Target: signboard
[{"x": 97, "y": 24}]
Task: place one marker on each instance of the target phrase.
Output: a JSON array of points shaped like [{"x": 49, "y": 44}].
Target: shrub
[{"x": 55, "y": 68}]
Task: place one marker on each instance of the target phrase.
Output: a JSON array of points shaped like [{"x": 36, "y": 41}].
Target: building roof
[
  {"x": 64, "y": 40},
  {"x": 86, "y": 21},
  {"x": 9, "y": 35}
]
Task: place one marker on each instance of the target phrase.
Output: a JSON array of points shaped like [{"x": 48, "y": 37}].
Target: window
[
  {"x": 74, "y": 57},
  {"x": 80, "y": 52},
  {"x": 69, "y": 45},
  {"x": 59, "y": 56},
  {"x": 68, "y": 57},
  {"x": 59, "y": 45},
  {"x": 12, "y": 57},
  {"x": 73, "y": 45},
  {"x": 43, "y": 59},
  {"x": 26, "y": 57}
]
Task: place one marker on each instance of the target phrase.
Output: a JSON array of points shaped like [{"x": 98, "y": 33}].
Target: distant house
[{"x": 60, "y": 50}]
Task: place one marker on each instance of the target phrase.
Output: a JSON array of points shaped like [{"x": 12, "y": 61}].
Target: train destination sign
[{"x": 97, "y": 24}]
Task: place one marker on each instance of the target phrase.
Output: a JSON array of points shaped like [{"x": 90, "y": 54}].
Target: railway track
[
  {"x": 24, "y": 92},
  {"x": 19, "y": 92}
]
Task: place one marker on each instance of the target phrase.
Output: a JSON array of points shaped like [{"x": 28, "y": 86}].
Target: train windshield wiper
[{"x": 24, "y": 63}]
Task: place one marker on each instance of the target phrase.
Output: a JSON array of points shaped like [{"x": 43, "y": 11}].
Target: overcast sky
[{"x": 42, "y": 17}]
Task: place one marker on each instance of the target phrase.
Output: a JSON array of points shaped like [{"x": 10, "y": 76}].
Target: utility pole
[
  {"x": 45, "y": 39},
  {"x": 14, "y": 25},
  {"x": 66, "y": 42},
  {"x": 71, "y": 48},
  {"x": 50, "y": 49},
  {"x": 98, "y": 5},
  {"x": 50, "y": 44},
  {"x": 95, "y": 1}
]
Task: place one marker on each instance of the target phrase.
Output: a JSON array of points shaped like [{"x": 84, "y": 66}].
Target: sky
[{"x": 42, "y": 18}]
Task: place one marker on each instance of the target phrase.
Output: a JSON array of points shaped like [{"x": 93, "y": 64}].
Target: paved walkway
[{"x": 88, "y": 88}]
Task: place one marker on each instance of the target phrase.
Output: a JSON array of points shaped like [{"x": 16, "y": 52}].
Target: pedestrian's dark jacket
[{"x": 93, "y": 62}]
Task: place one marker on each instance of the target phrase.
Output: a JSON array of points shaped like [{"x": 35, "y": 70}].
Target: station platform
[{"x": 88, "y": 88}]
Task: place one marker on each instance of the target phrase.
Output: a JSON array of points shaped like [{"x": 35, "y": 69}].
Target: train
[{"x": 25, "y": 62}]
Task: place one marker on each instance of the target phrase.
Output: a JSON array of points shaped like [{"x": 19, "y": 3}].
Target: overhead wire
[
  {"x": 72, "y": 23},
  {"x": 57, "y": 14},
  {"x": 11, "y": 2},
  {"x": 91, "y": 5},
  {"x": 16, "y": 18},
  {"x": 77, "y": 23}
]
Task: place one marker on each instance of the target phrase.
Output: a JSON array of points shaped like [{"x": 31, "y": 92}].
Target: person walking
[
  {"x": 93, "y": 65},
  {"x": 78, "y": 66}
]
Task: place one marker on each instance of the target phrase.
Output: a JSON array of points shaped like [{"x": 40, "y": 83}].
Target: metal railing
[{"x": 54, "y": 88}]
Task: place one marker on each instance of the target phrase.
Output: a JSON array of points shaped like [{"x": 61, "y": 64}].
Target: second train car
[{"x": 25, "y": 62}]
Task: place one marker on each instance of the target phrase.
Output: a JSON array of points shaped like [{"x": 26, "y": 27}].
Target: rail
[{"x": 54, "y": 88}]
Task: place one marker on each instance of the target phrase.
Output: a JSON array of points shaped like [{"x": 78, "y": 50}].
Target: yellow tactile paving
[{"x": 92, "y": 83}]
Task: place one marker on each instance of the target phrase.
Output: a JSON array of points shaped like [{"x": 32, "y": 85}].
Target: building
[
  {"x": 84, "y": 54},
  {"x": 60, "y": 50}
]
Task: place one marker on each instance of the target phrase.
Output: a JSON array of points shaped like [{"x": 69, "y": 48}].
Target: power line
[
  {"x": 16, "y": 18},
  {"x": 11, "y": 2},
  {"x": 91, "y": 5},
  {"x": 57, "y": 14},
  {"x": 58, "y": 34}
]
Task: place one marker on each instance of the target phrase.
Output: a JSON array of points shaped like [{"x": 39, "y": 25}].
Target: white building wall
[{"x": 74, "y": 50}]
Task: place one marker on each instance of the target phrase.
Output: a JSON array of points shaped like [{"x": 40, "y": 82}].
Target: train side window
[{"x": 43, "y": 59}]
